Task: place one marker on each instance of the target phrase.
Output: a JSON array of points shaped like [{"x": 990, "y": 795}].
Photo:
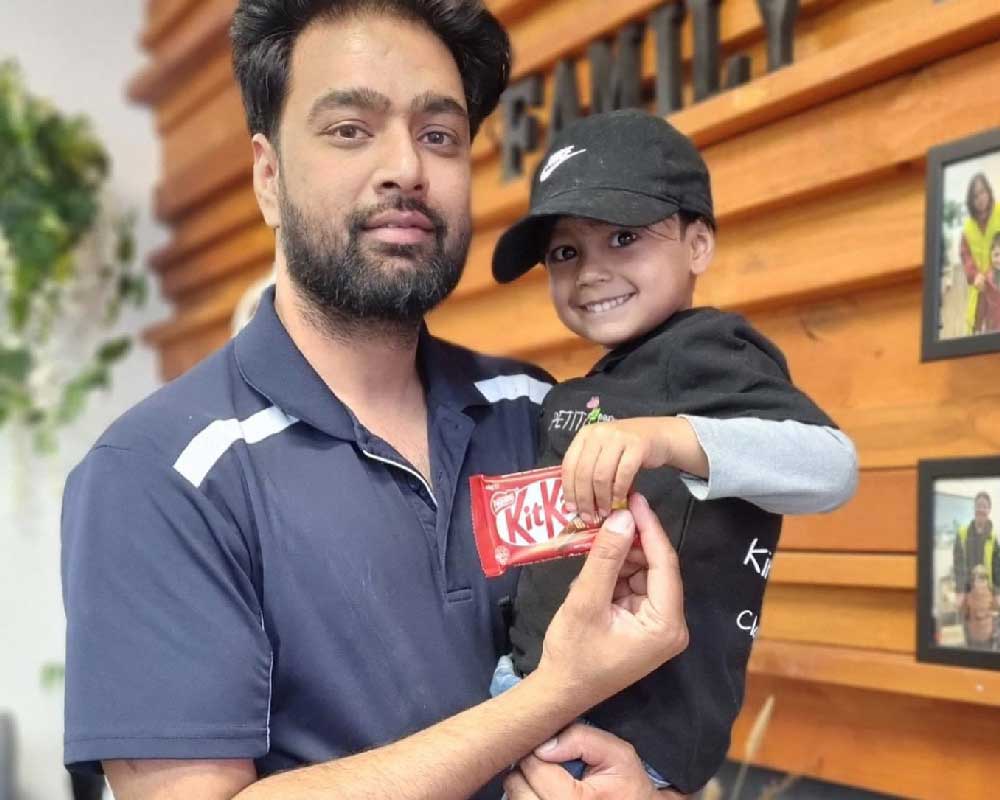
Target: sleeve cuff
[
  {"x": 701, "y": 488},
  {"x": 85, "y": 754}
]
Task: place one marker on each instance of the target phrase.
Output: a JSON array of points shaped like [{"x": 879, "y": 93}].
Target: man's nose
[{"x": 401, "y": 168}]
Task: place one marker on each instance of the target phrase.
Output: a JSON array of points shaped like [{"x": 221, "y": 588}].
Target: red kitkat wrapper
[{"x": 521, "y": 519}]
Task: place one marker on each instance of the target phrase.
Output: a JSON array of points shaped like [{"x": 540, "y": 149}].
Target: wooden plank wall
[{"x": 818, "y": 171}]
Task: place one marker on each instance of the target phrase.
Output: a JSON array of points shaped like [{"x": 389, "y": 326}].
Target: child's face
[
  {"x": 611, "y": 283},
  {"x": 995, "y": 256}
]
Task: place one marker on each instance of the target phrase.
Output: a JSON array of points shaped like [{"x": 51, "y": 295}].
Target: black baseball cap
[{"x": 623, "y": 167}]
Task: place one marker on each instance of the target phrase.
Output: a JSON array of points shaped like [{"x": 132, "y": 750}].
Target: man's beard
[{"x": 350, "y": 288}]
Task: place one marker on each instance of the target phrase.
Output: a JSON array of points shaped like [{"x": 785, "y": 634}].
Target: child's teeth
[{"x": 606, "y": 305}]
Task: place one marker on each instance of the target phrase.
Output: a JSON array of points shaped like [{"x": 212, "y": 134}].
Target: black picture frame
[
  {"x": 931, "y": 646},
  {"x": 939, "y": 159}
]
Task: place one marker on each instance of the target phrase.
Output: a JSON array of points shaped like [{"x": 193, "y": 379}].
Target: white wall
[{"x": 80, "y": 55}]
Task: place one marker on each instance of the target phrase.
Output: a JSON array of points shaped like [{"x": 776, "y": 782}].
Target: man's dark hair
[
  {"x": 263, "y": 34},
  {"x": 986, "y": 497},
  {"x": 979, "y": 177}
]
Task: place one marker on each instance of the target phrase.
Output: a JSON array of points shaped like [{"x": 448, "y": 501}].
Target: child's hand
[{"x": 604, "y": 458}]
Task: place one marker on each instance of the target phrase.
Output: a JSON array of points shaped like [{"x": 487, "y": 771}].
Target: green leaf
[
  {"x": 125, "y": 251},
  {"x": 44, "y": 439},
  {"x": 113, "y": 351},
  {"x": 133, "y": 289},
  {"x": 52, "y": 169},
  {"x": 95, "y": 376},
  {"x": 53, "y": 674},
  {"x": 72, "y": 405},
  {"x": 15, "y": 364}
]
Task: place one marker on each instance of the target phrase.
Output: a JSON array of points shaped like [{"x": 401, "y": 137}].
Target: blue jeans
[{"x": 504, "y": 678}]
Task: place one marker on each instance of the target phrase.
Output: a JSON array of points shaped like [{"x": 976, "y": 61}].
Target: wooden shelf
[{"x": 876, "y": 671}]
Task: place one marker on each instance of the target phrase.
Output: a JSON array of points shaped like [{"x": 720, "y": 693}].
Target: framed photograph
[
  {"x": 958, "y": 562},
  {"x": 962, "y": 248}
]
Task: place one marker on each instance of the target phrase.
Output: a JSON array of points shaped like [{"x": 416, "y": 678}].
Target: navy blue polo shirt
[{"x": 249, "y": 573}]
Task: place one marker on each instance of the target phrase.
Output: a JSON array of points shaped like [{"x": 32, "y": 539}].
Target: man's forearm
[{"x": 449, "y": 760}]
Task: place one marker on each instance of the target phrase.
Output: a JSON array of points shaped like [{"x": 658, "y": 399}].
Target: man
[
  {"x": 268, "y": 565},
  {"x": 976, "y": 546}
]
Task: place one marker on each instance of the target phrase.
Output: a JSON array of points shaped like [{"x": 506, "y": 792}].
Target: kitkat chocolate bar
[{"x": 521, "y": 519}]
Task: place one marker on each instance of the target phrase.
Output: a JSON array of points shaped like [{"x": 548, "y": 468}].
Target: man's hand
[
  {"x": 618, "y": 622},
  {"x": 613, "y": 770},
  {"x": 602, "y": 461},
  {"x": 622, "y": 618}
]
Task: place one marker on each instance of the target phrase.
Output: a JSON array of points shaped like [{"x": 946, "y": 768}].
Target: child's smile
[
  {"x": 612, "y": 283},
  {"x": 604, "y": 306}
]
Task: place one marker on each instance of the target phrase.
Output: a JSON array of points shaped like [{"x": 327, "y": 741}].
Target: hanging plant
[{"x": 66, "y": 264}]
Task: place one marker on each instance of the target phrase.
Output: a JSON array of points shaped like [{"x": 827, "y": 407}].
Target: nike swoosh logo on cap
[{"x": 557, "y": 159}]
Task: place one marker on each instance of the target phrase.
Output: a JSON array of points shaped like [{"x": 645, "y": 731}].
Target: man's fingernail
[
  {"x": 547, "y": 746},
  {"x": 641, "y": 499},
  {"x": 621, "y": 522}
]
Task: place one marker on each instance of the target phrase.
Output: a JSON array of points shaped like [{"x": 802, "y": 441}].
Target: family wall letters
[{"x": 616, "y": 73}]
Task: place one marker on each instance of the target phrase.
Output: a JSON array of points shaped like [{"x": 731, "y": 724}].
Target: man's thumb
[
  {"x": 596, "y": 582},
  {"x": 579, "y": 741}
]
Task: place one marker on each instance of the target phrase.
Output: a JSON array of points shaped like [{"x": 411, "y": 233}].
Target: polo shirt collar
[
  {"x": 445, "y": 380},
  {"x": 272, "y": 364}
]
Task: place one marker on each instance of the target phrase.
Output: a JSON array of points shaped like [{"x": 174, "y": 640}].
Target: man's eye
[
  {"x": 623, "y": 238},
  {"x": 439, "y": 138},
  {"x": 561, "y": 253},
  {"x": 349, "y": 132}
]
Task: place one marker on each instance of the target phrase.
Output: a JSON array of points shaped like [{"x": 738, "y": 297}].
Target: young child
[
  {"x": 691, "y": 407},
  {"x": 991, "y": 293}
]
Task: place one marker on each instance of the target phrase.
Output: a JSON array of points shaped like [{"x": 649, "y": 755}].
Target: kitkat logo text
[{"x": 532, "y": 514}]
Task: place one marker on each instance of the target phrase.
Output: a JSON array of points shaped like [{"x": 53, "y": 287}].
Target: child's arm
[{"x": 783, "y": 467}]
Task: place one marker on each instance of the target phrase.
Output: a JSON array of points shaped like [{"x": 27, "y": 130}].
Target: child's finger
[
  {"x": 583, "y": 477},
  {"x": 628, "y": 467},
  {"x": 606, "y": 468},
  {"x": 569, "y": 471}
]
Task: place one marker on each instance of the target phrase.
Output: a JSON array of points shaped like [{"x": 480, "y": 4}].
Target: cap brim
[{"x": 523, "y": 244}]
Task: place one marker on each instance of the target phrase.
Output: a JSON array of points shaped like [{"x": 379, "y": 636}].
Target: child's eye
[
  {"x": 623, "y": 238},
  {"x": 559, "y": 254}
]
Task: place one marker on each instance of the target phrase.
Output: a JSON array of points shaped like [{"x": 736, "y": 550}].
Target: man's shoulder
[
  {"x": 480, "y": 365},
  {"x": 497, "y": 377},
  {"x": 165, "y": 422}
]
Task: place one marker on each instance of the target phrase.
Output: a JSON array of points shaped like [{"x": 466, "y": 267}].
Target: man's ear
[
  {"x": 266, "y": 166},
  {"x": 701, "y": 243}
]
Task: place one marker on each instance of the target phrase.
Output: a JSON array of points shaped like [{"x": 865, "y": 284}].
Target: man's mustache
[{"x": 361, "y": 217}]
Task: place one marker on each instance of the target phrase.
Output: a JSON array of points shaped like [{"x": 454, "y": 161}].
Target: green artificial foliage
[{"x": 66, "y": 268}]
